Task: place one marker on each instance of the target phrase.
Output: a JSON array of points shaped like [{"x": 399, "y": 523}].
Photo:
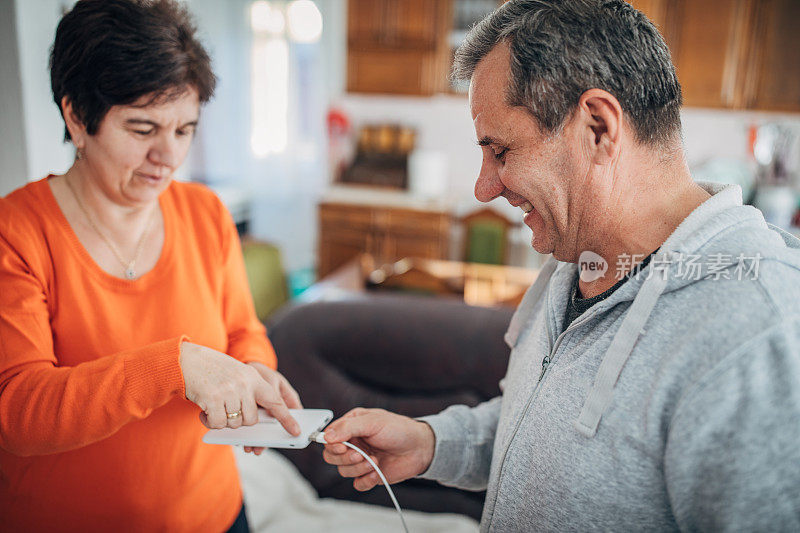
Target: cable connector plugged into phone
[{"x": 319, "y": 438}]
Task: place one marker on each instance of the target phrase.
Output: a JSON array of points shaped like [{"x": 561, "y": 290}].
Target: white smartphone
[{"x": 269, "y": 433}]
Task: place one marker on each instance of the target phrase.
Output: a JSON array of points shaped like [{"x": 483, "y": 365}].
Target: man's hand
[
  {"x": 401, "y": 446},
  {"x": 281, "y": 384}
]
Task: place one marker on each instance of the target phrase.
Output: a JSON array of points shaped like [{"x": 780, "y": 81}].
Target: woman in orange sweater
[{"x": 124, "y": 306}]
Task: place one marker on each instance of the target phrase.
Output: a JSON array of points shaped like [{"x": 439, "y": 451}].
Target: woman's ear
[
  {"x": 74, "y": 124},
  {"x": 602, "y": 119}
]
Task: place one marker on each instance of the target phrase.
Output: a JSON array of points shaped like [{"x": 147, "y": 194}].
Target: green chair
[
  {"x": 485, "y": 237},
  {"x": 266, "y": 277}
]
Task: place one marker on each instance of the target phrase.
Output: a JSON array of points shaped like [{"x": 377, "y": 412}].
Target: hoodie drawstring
[{"x": 616, "y": 356}]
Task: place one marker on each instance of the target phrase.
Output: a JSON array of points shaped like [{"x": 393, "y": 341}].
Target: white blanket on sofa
[{"x": 279, "y": 499}]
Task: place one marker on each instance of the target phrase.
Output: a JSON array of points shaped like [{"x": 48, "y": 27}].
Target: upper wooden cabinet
[
  {"x": 708, "y": 40},
  {"x": 737, "y": 54},
  {"x": 774, "y": 59},
  {"x": 398, "y": 46}
]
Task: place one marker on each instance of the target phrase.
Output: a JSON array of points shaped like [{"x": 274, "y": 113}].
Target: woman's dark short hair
[
  {"x": 113, "y": 52},
  {"x": 562, "y": 48}
]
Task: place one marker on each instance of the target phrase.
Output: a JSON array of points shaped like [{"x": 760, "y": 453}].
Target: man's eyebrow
[
  {"x": 486, "y": 141},
  {"x": 146, "y": 122}
]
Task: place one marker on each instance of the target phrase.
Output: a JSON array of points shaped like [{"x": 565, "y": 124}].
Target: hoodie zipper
[
  {"x": 549, "y": 357},
  {"x": 545, "y": 362},
  {"x": 533, "y": 395}
]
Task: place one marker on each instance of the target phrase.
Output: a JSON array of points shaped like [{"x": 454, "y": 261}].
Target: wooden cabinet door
[
  {"x": 396, "y": 23},
  {"x": 390, "y": 71},
  {"x": 416, "y": 234},
  {"x": 344, "y": 232},
  {"x": 414, "y": 23},
  {"x": 366, "y": 22},
  {"x": 656, "y": 11},
  {"x": 741, "y": 54},
  {"x": 386, "y": 233},
  {"x": 398, "y": 46},
  {"x": 708, "y": 46},
  {"x": 773, "y": 66},
  {"x": 337, "y": 248}
]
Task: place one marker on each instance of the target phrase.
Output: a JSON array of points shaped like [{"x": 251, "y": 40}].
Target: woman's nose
[{"x": 166, "y": 152}]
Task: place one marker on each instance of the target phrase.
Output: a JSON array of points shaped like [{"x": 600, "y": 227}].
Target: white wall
[
  {"x": 44, "y": 129},
  {"x": 283, "y": 188},
  {"x": 12, "y": 145},
  {"x": 710, "y": 133},
  {"x": 443, "y": 123}
]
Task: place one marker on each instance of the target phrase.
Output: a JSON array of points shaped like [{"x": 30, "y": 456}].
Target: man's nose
[{"x": 488, "y": 185}]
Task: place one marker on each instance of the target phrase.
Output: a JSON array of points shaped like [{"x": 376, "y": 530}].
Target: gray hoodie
[{"x": 674, "y": 404}]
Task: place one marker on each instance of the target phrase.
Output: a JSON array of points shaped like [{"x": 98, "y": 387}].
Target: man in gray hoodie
[{"x": 654, "y": 378}]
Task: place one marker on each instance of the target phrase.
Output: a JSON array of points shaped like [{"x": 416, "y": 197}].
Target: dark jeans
[{"x": 240, "y": 524}]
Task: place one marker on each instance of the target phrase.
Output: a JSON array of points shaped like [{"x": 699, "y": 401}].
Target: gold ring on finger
[{"x": 237, "y": 414}]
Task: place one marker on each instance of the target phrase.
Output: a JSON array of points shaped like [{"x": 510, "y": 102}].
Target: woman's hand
[
  {"x": 287, "y": 392},
  {"x": 401, "y": 446},
  {"x": 219, "y": 384}
]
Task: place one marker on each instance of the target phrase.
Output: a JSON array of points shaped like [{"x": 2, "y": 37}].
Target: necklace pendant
[{"x": 130, "y": 273}]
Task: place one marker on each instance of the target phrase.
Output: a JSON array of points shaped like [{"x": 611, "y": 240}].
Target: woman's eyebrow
[
  {"x": 141, "y": 121},
  {"x": 147, "y": 122}
]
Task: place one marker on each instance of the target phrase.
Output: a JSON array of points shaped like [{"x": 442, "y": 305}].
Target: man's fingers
[
  {"x": 336, "y": 449},
  {"x": 341, "y": 458},
  {"x": 356, "y": 470},
  {"x": 366, "y": 482},
  {"x": 357, "y": 411},
  {"x": 346, "y": 428}
]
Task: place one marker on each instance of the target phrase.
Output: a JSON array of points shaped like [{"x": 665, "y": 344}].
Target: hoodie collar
[
  {"x": 722, "y": 210},
  {"x": 714, "y": 215}
]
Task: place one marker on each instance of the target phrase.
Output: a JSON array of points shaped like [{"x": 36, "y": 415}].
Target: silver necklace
[{"x": 129, "y": 266}]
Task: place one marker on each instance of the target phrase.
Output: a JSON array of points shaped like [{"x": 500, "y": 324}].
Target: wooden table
[{"x": 476, "y": 284}]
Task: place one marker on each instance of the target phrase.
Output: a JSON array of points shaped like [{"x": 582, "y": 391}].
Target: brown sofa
[{"x": 413, "y": 355}]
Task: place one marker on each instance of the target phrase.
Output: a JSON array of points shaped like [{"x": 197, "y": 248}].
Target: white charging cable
[{"x": 319, "y": 437}]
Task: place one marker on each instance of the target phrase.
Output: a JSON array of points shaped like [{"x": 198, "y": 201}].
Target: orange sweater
[{"x": 95, "y": 429}]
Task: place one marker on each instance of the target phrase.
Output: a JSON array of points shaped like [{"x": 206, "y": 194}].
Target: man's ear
[
  {"x": 74, "y": 124},
  {"x": 601, "y": 116}
]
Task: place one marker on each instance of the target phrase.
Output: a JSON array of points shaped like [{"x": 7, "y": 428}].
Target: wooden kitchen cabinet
[
  {"x": 735, "y": 54},
  {"x": 387, "y": 233},
  {"x": 708, "y": 44},
  {"x": 773, "y": 67},
  {"x": 397, "y": 46},
  {"x": 656, "y": 11}
]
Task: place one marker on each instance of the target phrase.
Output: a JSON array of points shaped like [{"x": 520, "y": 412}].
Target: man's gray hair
[{"x": 562, "y": 48}]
